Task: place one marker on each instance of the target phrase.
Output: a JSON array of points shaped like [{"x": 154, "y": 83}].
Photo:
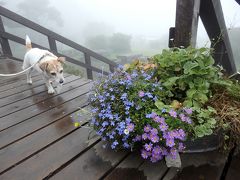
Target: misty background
[{"x": 114, "y": 28}]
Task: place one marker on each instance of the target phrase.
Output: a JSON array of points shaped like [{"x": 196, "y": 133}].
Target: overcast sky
[{"x": 147, "y": 18}]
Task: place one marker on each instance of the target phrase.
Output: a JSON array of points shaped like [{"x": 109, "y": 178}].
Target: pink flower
[{"x": 141, "y": 93}]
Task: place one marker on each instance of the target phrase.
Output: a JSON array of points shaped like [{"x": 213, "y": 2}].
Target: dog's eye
[
  {"x": 53, "y": 74},
  {"x": 60, "y": 71}
]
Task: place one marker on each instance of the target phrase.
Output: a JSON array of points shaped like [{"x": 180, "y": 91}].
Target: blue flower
[
  {"x": 126, "y": 145},
  {"x": 124, "y": 96},
  {"x": 112, "y": 97},
  {"x": 105, "y": 123}
]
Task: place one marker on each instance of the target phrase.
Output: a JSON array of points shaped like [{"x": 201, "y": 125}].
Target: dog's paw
[{"x": 51, "y": 91}]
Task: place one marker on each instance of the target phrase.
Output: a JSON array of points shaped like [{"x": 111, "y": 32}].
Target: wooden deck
[{"x": 39, "y": 141}]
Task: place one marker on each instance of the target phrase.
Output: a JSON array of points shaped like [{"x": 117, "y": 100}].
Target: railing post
[
  {"x": 111, "y": 67},
  {"x": 52, "y": 44},
  {"x": 4, "y": 42},
  {"x": 88, "y": 63}
]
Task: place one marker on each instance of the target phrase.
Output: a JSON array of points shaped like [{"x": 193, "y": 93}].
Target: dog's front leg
[
  {"x": 50, "y": 88},
  {"x": 49, "y": 85}
]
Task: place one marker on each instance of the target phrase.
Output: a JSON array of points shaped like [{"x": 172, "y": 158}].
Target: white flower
[{"x": 126, "y": 131}]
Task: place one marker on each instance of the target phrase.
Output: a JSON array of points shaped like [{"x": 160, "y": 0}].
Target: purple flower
[
  {"x": 182, "y": 117},
  {"x": 128, "y": 77},
  {"x": 154, "y": 131},
  {"x": 173, "y": 153},
  {"x": 144, "y": 154},
  {"x": 173, "y": 113},
  {"x": 188, "y": 120},
  {"x": 188, "y": 110},
  {"x": 145, "y": 136},
  {"x": 158, "y": 119},
  {"x": 181, "y": 134},
  {"x": 170, "y": 142},
  {"x": 137, "y": 138},
  {"x": 141, "y": 93},
  {"x": 163, "y": 127},
  {"x": 154, "y": 138},
  {"x": 180, "y": 147},
  {"x": 148, "y": 147},
  {"x": 147, "y": 128},
  {"x": 156, "y": 150},
  {"x": 130, "y": 127}
]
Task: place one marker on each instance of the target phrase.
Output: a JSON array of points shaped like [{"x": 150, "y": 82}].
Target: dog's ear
[
  {"x": 43, "y": 66},
  {"x": 61, "y": 59}
]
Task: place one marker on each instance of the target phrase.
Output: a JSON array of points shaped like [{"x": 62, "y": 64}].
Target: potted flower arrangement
[{"x": 156, "y": 106}]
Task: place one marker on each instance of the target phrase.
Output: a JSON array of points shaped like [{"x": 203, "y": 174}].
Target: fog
[{"x": 145, "y": 23}]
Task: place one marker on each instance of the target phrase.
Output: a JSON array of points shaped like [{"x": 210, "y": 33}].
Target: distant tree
[
  {"x": 41, "y": 12},
  {"x": 94, "y": 29},
  {"x": 120, "y": 43},
  {"x": 98, "y": 42}
]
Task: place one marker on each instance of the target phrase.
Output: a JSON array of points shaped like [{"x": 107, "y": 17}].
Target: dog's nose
[{"x": 61, "y": 81}]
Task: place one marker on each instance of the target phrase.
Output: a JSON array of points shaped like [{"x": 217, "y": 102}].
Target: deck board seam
[
  {"x": 42, "y": 149},
  {"x": 30, "y": 88},
  {"x": 41, "y": 100},
  {"x": 44, "y": 110},
  {"x": 42, "y": 127}
]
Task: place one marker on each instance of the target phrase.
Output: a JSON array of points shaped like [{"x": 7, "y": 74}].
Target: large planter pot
[{"x": 204, "y": 144}]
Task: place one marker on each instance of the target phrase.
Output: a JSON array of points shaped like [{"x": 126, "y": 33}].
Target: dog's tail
[{"x": 28, "y": 43}]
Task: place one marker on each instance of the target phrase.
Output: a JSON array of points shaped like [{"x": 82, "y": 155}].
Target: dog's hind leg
[
  {"x": 29, "y": 76},
  {"x": 25, "y": 66}
]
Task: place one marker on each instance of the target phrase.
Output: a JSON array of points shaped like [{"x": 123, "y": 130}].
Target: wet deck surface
[{"x": 39, "y": 141}]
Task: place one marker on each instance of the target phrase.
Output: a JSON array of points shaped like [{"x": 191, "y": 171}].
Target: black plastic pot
[{"x": 204, "y": 144}]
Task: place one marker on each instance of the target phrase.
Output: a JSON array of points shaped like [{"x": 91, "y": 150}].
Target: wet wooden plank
[
  {"x": 37, "y": 122},
  {"x": 39, "y": 90},
  {"x": 19, "y": 84},
  {"x": 10, "y": 66},
  {"x": 233, "y": 172},
  {"x": 22, "y": 87},
  {"x": 205, "y": 165},
  {"x": 50, "y": 159},
  {"x": 29, "y": 145},
  {"x": 154, "y": 171},
  {"x": 38, "y": 98},
  {"x": 38, "y": 108},
  {"x": 128, "y": 168},
  {"x": 92, "y": 165}
]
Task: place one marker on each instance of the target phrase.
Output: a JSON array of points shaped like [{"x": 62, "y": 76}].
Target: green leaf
[
  {"x": 191, "y": 92},
  {"x": 188, "y": 66},
  {"x": 170, "y": 81},
  {"x": 160, "y": 105}
]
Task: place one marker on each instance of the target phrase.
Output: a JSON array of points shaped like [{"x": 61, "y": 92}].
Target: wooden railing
[{"x": 52, "y": 38}]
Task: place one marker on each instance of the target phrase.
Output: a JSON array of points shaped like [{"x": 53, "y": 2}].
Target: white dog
[{"x": 49, "y": 65}]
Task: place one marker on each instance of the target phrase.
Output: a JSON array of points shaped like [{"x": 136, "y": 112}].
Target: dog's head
[{"x": 53, "y": 69}]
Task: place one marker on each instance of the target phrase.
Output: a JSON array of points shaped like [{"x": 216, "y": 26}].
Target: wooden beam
[
  {"x": 186, "y": 24},
  {"x": 32, "y": 25},
  {"x": 213, "y": 20},
  {"x": 6, "y": 49}
]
